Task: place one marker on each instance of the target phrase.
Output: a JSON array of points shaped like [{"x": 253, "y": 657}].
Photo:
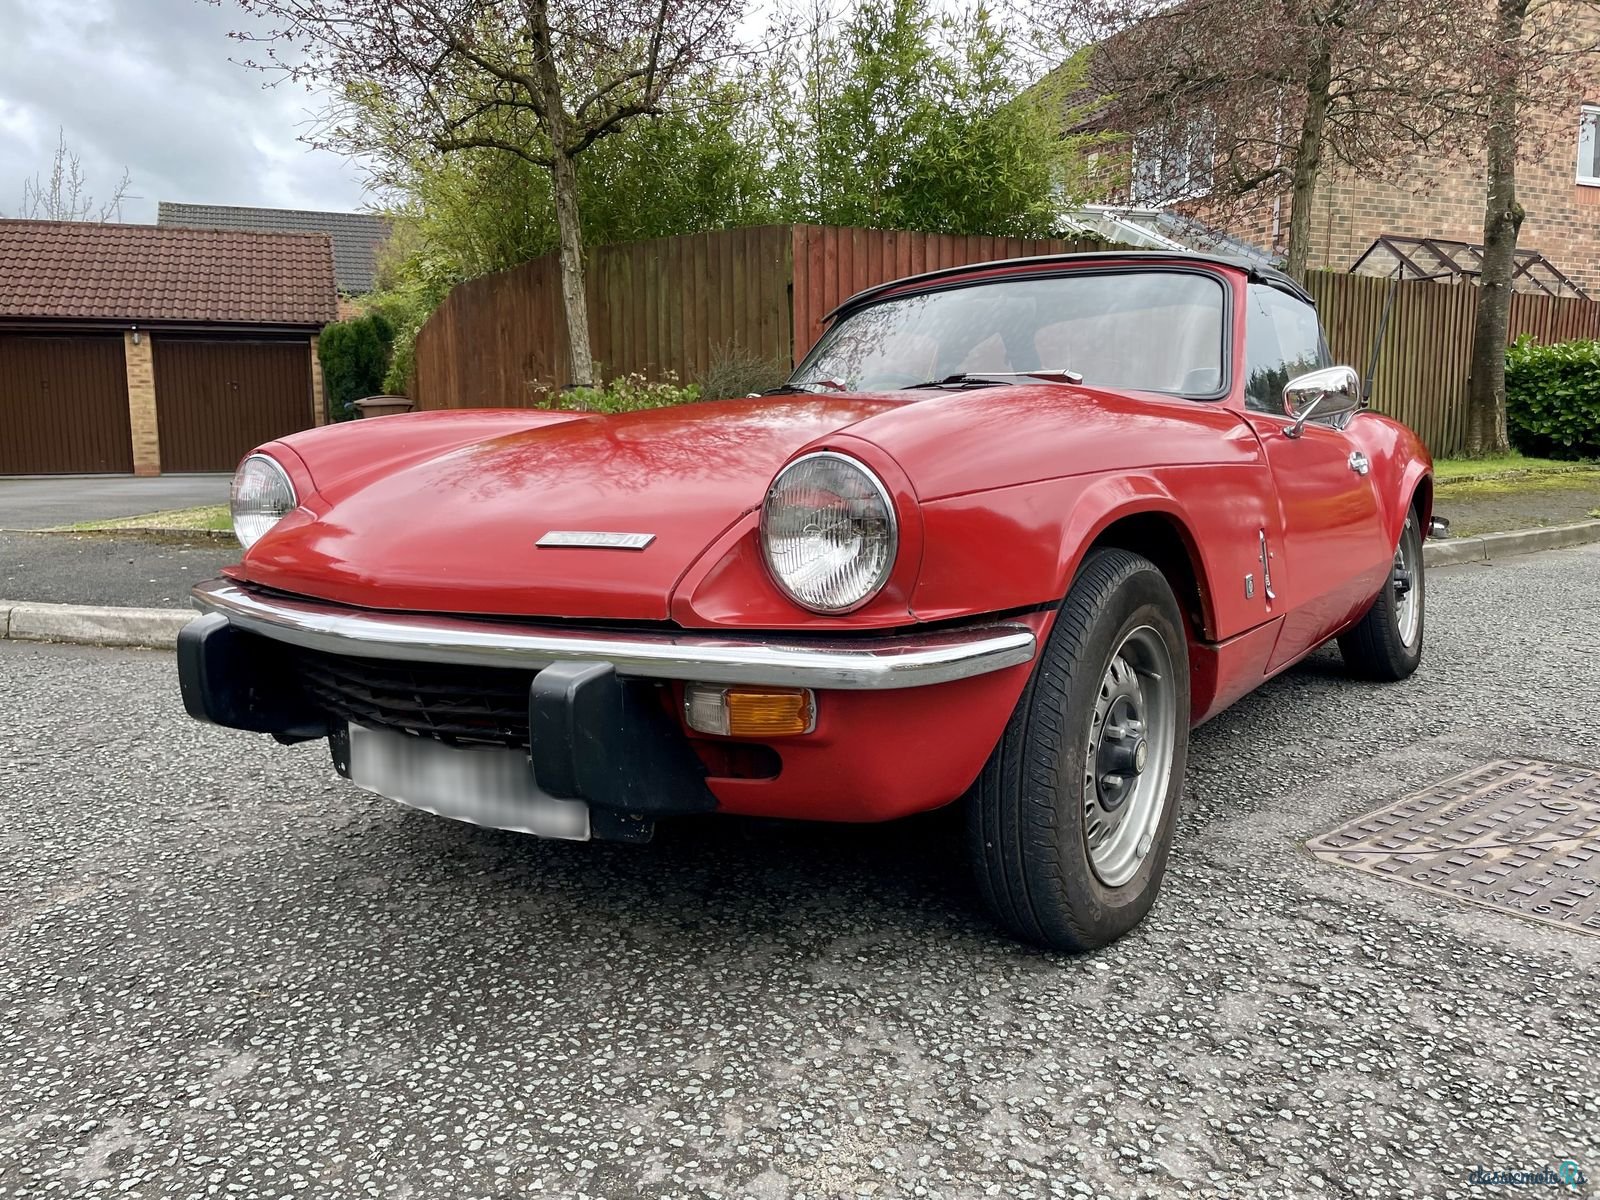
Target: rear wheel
[
  {"x": 1071, "y": 821},
  {"x": 1386, "y": 644}
]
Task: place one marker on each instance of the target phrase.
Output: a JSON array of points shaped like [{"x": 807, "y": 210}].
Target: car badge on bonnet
[{"x": 596, "y": 539}]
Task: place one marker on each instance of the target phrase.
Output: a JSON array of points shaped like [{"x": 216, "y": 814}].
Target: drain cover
[{"x": 1516, "y": 835}]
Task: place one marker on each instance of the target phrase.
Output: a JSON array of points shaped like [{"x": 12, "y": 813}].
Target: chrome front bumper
[{"x": 865, "y": 663}]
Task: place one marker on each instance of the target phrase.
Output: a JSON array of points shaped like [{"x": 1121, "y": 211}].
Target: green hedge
[
  {"x": 1553, "y": 398},
  {"x": 355, "y": 357}
]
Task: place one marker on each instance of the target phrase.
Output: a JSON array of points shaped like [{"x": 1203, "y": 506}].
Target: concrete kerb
[
  {"x": 1489, "y": 546},
  {"x": 92, "y": 624},
  {"x": 157, "y": 628}
]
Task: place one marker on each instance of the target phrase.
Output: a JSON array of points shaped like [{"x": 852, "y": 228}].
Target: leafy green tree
[
  {"x": 995, "y": 161},
  {"x": 907, "y": 119},
  {"x": 701, "y": 166}
]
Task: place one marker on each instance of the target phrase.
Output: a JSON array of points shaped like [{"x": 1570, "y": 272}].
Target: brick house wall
[{"x": 1443, "y": 195}]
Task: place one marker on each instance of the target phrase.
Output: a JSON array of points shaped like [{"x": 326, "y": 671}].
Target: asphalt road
[
  {"x": 62, "y": 568},
  {"x": 42, "y": 501},
  {"x": 224, "y": 972}
]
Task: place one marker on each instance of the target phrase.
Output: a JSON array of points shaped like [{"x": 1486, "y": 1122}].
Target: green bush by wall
[
  {"x": 355, "y": 358},
  {"x": 1553, "y": 398}
]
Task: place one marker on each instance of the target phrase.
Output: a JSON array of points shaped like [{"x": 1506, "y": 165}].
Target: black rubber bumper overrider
[
  {"x": 597, "y": 737},
  {"x": 233, "y": 678}
]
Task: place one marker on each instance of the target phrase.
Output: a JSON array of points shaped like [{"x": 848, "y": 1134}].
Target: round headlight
[
  {"x": 262, "y": 496},
  {"x": 828, "y": 532}
]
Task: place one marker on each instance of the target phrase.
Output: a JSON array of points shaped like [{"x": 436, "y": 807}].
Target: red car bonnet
[{"x": 457, "y": 532}]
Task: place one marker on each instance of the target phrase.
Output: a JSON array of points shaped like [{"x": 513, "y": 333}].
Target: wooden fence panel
[
  {"x": 833, "y": 263},
  {"x": 1427, "y": 350},
  {"x": 667, "y": 306},
  {"x": 655, "y": 307}
]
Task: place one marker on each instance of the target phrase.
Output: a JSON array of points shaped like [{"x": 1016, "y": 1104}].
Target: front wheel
[
  {"x": 1071, "y": 821},
  {"x": 1386, "y": 644}
]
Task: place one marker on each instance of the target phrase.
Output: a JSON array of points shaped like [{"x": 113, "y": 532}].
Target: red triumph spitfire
[{"x": 1009, "y": 531}]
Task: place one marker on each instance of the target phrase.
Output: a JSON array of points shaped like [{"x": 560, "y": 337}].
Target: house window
[
  {"x": 1589, "y": 146},
  {"x": 1174, "y": 161}
]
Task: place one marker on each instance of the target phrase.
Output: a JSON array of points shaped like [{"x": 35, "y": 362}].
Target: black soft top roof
[{"x": 1268, "y": 275}]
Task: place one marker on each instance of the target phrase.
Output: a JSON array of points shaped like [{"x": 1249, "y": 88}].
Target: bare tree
[
  {"x": 542, "y": 80},
  {"x": 1502, "y": 221},
  {"x": 63, "y": 195},
  {"x": 1531, "y": 56},
  {"x": 1229, "y": 100}
]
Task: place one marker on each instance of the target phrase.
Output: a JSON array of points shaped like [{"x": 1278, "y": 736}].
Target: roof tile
[
  {"x": 81, "y": 270},
  {"x": 357, "y": 237}
]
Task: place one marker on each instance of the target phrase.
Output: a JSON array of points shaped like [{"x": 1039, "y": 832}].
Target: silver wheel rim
[
  {"x": 1404, "y": 580},
  {"x": 1132, "y": 733}
]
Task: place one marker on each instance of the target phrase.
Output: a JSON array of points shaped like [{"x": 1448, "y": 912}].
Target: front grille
[{"x": 452, "y": 703}]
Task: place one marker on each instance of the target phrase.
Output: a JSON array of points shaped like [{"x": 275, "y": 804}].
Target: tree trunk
[
  {"x": 564, "y": 189},
  {"x": 574, "y": 300},
  {"x": 1308, "y": 159},
  {"x": 1502, "y": 221}
]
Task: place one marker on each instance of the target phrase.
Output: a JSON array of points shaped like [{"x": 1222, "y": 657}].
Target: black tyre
[
  {"x": 1071, "y": 821},
  {"x": 1386, "y": 644}
]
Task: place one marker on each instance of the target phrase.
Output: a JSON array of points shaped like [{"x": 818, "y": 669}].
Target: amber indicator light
[{"x": 750, "y": 712}]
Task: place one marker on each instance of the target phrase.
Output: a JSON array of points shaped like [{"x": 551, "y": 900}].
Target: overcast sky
[{"x": 147, "y": 85}]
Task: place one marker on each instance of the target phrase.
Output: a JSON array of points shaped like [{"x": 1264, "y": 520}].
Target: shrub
[
  {"x": 1553, "y": 398},
  {"x": 355, "y": 358},
  {"x": 625, "y": 393},
  {"x": 735, "y": 371}
]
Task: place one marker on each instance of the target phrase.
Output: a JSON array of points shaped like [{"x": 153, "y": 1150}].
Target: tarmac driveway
[{"x": 41, "y": 501}]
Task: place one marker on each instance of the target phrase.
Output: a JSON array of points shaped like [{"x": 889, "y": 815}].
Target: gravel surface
[
  {"x": 223, "y": 971},
  {"x": 40, "y": 501},
  {"x": 66, "y": 568}
]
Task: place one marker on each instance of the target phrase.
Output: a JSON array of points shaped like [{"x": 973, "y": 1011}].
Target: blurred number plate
[{"x": 486, "y": 785}]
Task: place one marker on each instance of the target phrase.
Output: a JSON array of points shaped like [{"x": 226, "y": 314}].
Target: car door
[{"x": 1333, "y": 554}]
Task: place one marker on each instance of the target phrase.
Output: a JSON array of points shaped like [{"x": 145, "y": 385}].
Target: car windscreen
[{"x": 1158, "y": 331}]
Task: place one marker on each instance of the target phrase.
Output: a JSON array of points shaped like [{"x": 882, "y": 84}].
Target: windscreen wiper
[
  {"x": 986, "y": 378},
  {"x": 807, "y": 386}
]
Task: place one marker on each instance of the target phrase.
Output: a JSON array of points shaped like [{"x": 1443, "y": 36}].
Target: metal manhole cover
[{"x": 1518, "y": 835}]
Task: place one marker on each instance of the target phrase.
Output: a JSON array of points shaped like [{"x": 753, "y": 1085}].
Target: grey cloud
[{"x": 148, "y": 84}]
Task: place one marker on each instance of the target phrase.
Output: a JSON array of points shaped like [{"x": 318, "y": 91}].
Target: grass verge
[
  {"x": 213, "y": 517},
  {"x": 1507, "y": 467},
  {"x": 208, "y": 522}
]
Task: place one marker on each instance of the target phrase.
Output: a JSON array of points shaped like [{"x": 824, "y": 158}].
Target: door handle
[
  {"x": 1358, "y": 462},
  {"x": 1266, "y": 569}
]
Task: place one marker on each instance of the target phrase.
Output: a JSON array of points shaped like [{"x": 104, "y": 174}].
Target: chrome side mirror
[{"x": 1330, "y": 392}]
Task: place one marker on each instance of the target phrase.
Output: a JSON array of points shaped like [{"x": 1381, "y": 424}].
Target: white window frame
[
  {"x": 1174, "y": 173},
  {"x": 1586, "y": 114}
]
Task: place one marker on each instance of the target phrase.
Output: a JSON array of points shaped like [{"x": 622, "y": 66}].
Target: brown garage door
[
  {"x": 217, "y": 399},
  {"x": 63, "y": 405}
]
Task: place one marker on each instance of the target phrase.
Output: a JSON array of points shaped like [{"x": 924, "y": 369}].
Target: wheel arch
[
  {"x": 1420, "y": 496},
  {"x": 1163, "y": 537}
]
